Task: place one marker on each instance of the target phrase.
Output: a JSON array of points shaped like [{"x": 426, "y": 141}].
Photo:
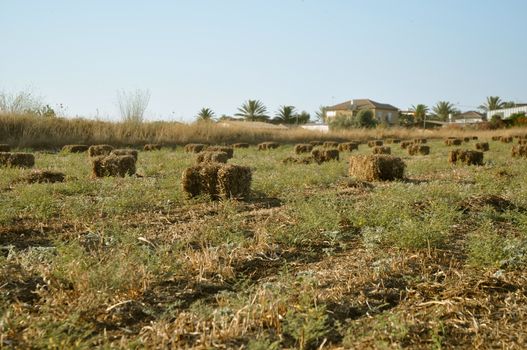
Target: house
[
  {"x": 315, "y": 127},
  {"x": 505, "y": 113},
  {"x": 469, "y": 117},
  {"x": 382, "y": 112}
]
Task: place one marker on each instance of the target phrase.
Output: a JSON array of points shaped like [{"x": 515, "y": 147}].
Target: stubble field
[{"x": 313, "y": 259}]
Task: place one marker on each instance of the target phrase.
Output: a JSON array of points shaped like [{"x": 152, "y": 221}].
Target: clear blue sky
[{"x": 211, "y": 53}]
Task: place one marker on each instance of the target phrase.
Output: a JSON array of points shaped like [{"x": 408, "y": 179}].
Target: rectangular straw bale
[
  {"x": 416, "y": 149},
  {"x": 5, "y": 148},
  {"x": 234, "y": 181},
  {"x": 75, "y": 148},
  {"x": 298, "y": 160},
  {"x": 506, "y": 139},
  {"x": 522, "y": 142},
  {"x": 393, "y": 141},
  {"x": 375, "y": 143},
  {"x": 316, "y": 143},
  {"x": 495, "y": 138},
  {"x": 99, "y": 150},
  {"x": 303, "y": 148},
  {"x": 212, "y": 157},
  {"x": 406, "y": 144},
  {"x": 225, "y": 149},
  {"x": 265, "y": 146},
  {"x": 453, "y": 142},
  {"x": 482, "y": 146},
  {"x": 348, "y": 146},
  {"x": 519, "y": 151},
  {"x": 474, "y": 138},
  {"x": 240, "y": 145},
  {"x": 194, "y": 147},
  {"x": 325, "y": 155},
  {"x": 382, "y": 150},
  {"x": 152, "y": 147},
  {"x": 420, "y": 141},
  {"x": 113, "y": 165},
  {"x": 376, "y": 167},
  {"x": 20, "y": 160},
  {"x": 467, "y": 157},
  {"x": 125, "y": 152},
  {"x": 44, "y": 176},
  {"x": 330, "y": 144}
]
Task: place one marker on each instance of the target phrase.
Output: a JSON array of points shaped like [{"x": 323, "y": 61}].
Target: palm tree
[
  {"x": 420, "y": 111},
  {"x": 286, "y": 115},
  {"x": 253, "y": 110},
  {"x": 320, "y": 114},
  {"x": 205, "y": 115},
  {"x": 443, "y": 109},
  {"x": 493, "y": 102}
]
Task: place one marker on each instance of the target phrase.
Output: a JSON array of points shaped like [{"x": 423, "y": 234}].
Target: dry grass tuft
[
  {"x": 217, "y": 181},
  {"x": 348, "y": 146},
  {"x": 152, "y": 147},
  {"x": 20, "y": 160},
  {"x": 519, "y": 151},
  {"x": 375, "y": 143},
  {"x": 224, "y": 149},
  {"x": 265, "y": 146},
  {"x": 303, "y": 148},
  {"x": 416, "y": 149},
  {"x": 5, "y": 148},
  {"x": 194, "y": 147},
  {"x": 468, "y": 157},
  {"x": 44, "y": 176},
  {"x": 75, "y": 148},
  {"x": 113, "y": 165},
  {"x": 325, "y": 155},
  {"x": 376, "y": 167},
  {"x": 99, "y": 150},
  {"x": 382, "y": 150},
  {"x": 240, "y": 145},
  {"x": 125, "y": 152},
  {"x": 482, "y": 146},
  {"x": 212, "y": 157}
]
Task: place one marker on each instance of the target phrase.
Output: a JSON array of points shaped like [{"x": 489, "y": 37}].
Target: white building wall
[{"x": 506, "y": 112}]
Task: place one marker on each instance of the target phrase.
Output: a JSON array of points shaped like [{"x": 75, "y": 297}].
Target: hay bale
[
  {"x": 44, "y": 176},
  {"x": 303, "y": 148},
  {"x": 152, "y": 147},
  {"x": 382, "y": 150},
  {"x": 298, "y": 160},
  {"x": 467, "y": 157},
  {"x": 99, "y": 150},
  {"x": 495, "y": 138},
  {"x": 330, "y": 144},
  {"x": 113, "y": 165},
  {"x": 20, "y": 160},
  {"x": 376, "y": 167},
  {"x": 519, "y": 151},
  {"x": 265, "y": 146},
  {"x": 348, "y": 146},
  {"x": 419, "y": 141},
  {"x": 5, "y": 148},
  {"x": 75, "y": 148},
  {"x": 466, "y": 139},
  {"x": 375, "y": 143},
  {"x": 125, "y": 152},
  {"x": 325, "y": 155},
  {"x": 406, "y": 144},
  {"x": 240, "y": 145},
  {"x": 474, "y": 138},
  {"x": 194, "y": 147},
  {"x": 522, "y": 142},
  {"x": 506, "y": 139},
  {"x": 393, "y": 141},
  {"x": 217, "y": 180},
  {"x": 482, "y": 146},
  {"x": 316, "y": 143},
  {"x": 212, "y": 157},
  {"x": 453, "y": 141},
  {"x": 225, "y": 149},
  {"x": 416, "y": 149}
]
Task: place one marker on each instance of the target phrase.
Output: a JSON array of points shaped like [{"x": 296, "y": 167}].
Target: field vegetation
[{"x": 313, "y": 259}]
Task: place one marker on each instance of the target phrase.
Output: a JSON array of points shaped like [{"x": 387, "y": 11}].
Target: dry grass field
[{"x": 313, "y": 259}]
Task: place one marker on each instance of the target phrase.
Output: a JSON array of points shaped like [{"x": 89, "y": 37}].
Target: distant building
[
  {"x": 315, "y": 127},
  {"x": 469, "y": 117},
  {"x": 382, "y": 112},
  {"x": 505, "y": 113}
]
